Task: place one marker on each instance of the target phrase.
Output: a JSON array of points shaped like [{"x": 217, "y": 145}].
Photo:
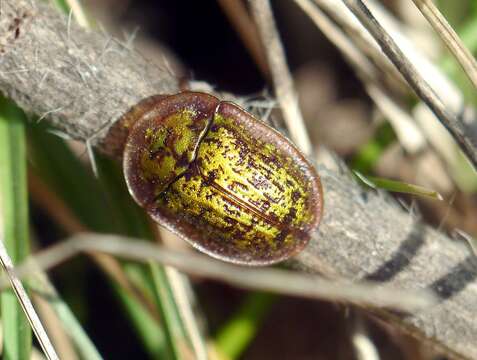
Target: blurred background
[{"x": 341, "y": 116}]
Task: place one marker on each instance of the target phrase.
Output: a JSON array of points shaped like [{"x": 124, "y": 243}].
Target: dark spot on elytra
[
  {"x": 230, "y": 221},
  {"x": 243, "y": 151},
  {"x": 251, "y": 163},
  {"x": 259, "y": 182},
  {"x": 261, "y": 246},
  {"x": 191, "y": 172},
  {"x": 210, "y": 177},
  {"x": 265, "y": 170},
  {"x": 296, "y": 196},
  {"x": 229, "y": 210},
  {"x": 158, "y": 156},
  {"x": 215, "y": 141},
  {"x": 183, "y": 160},
  {"x": 270, "y": 199},
  {"x": 282, "y": 236},
  {"x": 14, "y": 27},
  {"x": 278, "y": 185},
  {"x": 198, "y": 125},
  {"x": 288, "y": 218},
  {"x": 14, "y": 24}
]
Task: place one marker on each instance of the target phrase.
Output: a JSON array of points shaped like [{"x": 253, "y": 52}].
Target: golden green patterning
[{"x": 241, "y": 192}]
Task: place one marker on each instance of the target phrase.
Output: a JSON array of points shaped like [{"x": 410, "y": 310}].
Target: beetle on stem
[{"x": 224, "y": 181}]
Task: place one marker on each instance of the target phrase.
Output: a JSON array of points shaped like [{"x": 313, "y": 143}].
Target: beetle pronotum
[{"x": 224, "y": 181}]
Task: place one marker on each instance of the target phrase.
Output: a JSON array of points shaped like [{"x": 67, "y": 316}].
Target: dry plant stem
[
  {"x": 411, "y": 139},
  {"x": 355, "y": 43},
  {"x": 363, "y": 235},
  {"x": 364, "y": 348},
  {"x": 357, "y": 33},
  {"x": 347, "y": 22},
  {"x": 456, "y": 127},
  {"x": 409, "y": 135},
  {"x": 26, "y": 304},
  {"x": 238, "y": 15},
  {"x": 282, "y": 80},
  {"x": 274, "y": 280},
  {"x": 180, "y": 285},
  {"x": 449, "y": 37},
  {"x": 48, "y": 62}
]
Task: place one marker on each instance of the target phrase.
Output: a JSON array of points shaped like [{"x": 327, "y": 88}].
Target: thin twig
[
  {"x": 356, "y": 44},
  {"x": 179, "y": 286},
  {"x": 364, "y": 348},
  {"x": 274, "y": 280},
  {"x": 449, "y": 37},
  {"x": 362, "y": 39},
  {"x": 418, "y": 84},
  {"x": 238, "y": 15},
  {"x": 408, "y": 133},
  {"x": 26, "y": 304},
  {"x": 286, "y": 96}
]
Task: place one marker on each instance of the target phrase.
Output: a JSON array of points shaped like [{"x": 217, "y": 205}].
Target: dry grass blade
[
  {"x": 26, "y": 304},
  {"x": 265, "y": 279},
  {"x": 418, "y": 84},
  {"x": 357, "y": 34},
  {"x": 409, "y": 135},
  {"x": 262, "y": 13},
  {"x": 449, "y": 37},
  {"x": 237, "y": 14},
  {"x": 363, "y": 345},
  {"x": 179, "y": 293}
]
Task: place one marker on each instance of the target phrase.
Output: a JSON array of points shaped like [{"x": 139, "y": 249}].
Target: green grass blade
[
  {"x": 235, "y": 336},
  {"x": 14, "y": 211},
  {"x": 398, "y": 186}
]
